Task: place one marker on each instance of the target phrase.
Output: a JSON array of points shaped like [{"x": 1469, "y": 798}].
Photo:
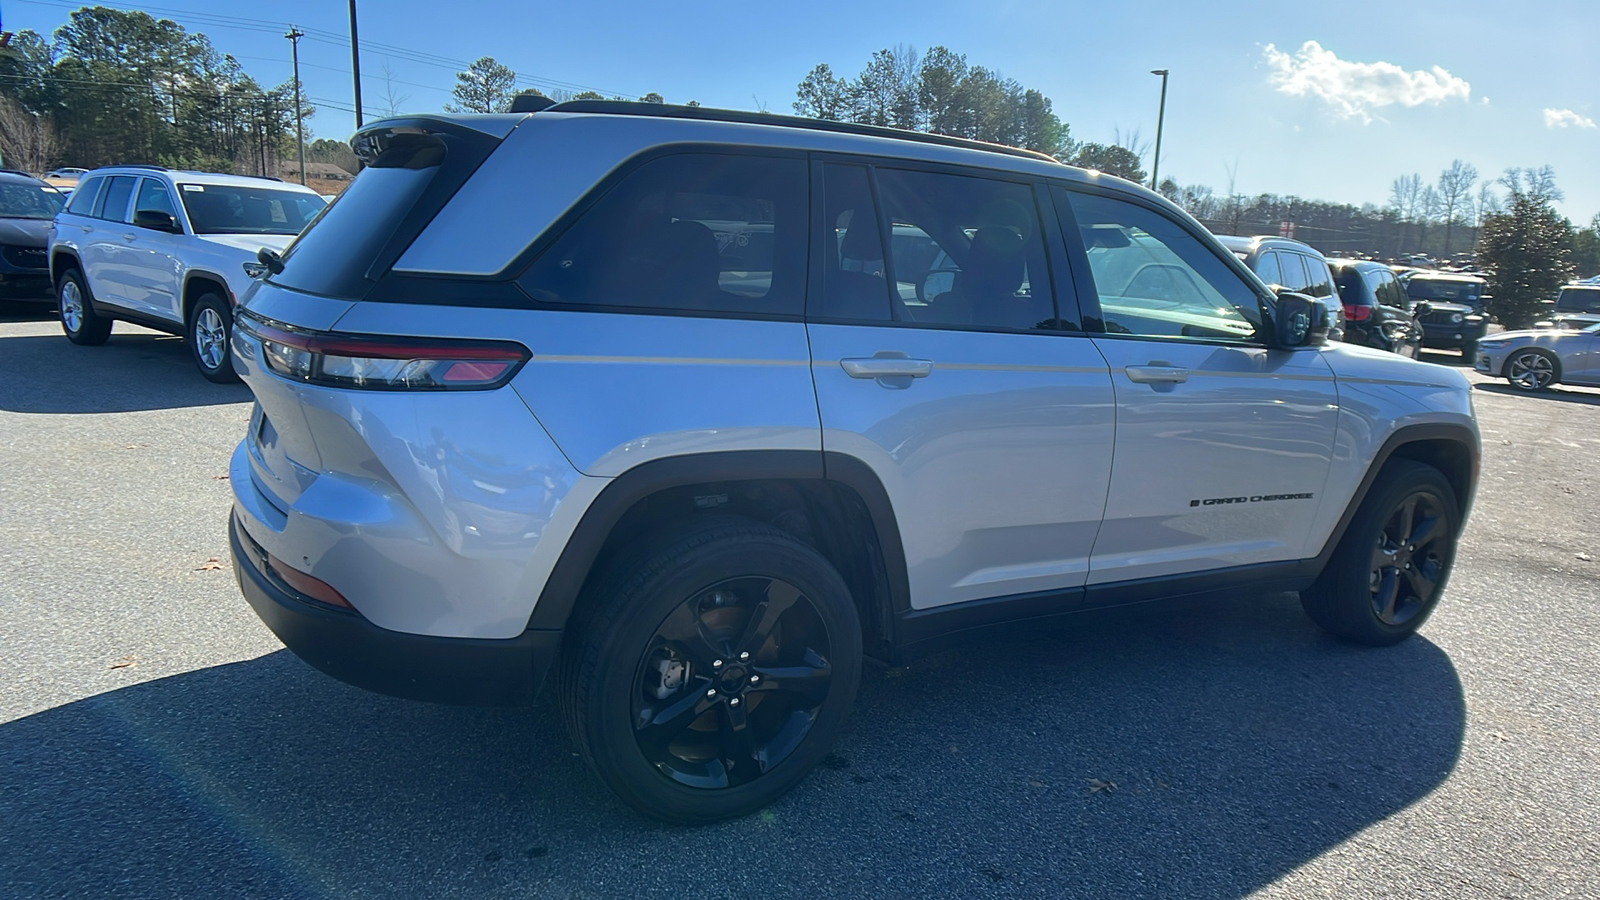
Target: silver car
[{"x": 1535, "y": 360}]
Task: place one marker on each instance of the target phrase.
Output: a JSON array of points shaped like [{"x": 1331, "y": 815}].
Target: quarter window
[
  {"x": 83, "y": 199},
  {"x": 1156, "y": 278},
  {"x": 966, "y": 252},
  {"x": 695, "y": 232}
]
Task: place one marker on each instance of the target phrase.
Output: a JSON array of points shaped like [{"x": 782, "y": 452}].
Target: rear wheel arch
[{"x": 826, "y": 500}]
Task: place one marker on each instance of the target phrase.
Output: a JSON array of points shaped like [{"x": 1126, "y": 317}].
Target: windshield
[
  {"x": 30, "y": 201},
  {"x": 1468, "y": 292},
  {"x": 1579, "y": 300},
  {"x": 247, "y": 209}
]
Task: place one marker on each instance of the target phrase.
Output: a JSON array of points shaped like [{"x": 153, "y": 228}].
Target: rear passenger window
[
  {"x": 693, "y": 232},
  {"x": 114, "y": 205},
  {"x": 1321, "y": 279},
  {"x": 966, "y": 252},
  {"x": 854, "y": 281},
  {"x": 1292, "y": 265},
  {"x": 82, "y": 202},
  {"x": 1267, "y": 268}
]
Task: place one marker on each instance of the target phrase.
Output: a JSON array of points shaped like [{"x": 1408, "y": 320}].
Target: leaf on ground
[
  {"x": 210, "y": 565},
  {"x": 1097, "y": 786},
  {"x": 1585, "y": 557},
  {"x": 219, "y": 478},
  {"x": 127, "y": 662}
]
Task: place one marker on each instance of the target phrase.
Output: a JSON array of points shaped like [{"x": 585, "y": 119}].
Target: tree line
[{"x": 114, "y": 86}]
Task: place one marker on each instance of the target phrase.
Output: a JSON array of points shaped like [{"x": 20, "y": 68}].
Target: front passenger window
[{"x": 1155, "y": 278}]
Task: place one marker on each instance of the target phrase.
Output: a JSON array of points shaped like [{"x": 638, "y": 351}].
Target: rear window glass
[
  {"x": 350, "y": 230},
  {"x": 1468, "y": 292},
  {"x": 1579, "y": 300},
  {"x": 694, "y": 232}
]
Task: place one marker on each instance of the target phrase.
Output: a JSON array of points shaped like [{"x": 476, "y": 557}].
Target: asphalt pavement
[{"x": 157, "y": 741}]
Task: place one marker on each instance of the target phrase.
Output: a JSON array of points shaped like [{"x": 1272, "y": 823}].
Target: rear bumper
[{"x": 466, "y": 671}]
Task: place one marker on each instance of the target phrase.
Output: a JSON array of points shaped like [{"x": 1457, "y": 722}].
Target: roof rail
[
  {"x": 670, "y": 111},
  {"x": 140, "y": 166}
]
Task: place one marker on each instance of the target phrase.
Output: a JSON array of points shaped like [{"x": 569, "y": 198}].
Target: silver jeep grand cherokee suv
[{"x": 701, "y": 408}]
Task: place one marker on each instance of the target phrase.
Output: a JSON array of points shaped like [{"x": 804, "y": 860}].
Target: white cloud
[
  {"x": 1357, "y": 88},
  {"x": 1566, "y": 118}
]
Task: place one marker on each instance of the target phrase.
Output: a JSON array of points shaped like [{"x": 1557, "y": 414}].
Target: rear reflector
[
  {"x": 305, "y": 584},
  {"x": 370, "y": 362}
]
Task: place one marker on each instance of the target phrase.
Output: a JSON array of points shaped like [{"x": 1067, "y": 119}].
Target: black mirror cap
[
  {"x": 1298, "y": 321},
  {"x": 155, "y": 219},
  {"x": 269, "y": 257}
]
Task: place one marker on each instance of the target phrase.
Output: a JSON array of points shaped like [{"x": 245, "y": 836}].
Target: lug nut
[
  {"x": 754, "y": 679},
  {"x": 734, "y": 702},
  {"x": 744, "y": 656},
  {"x": 711, "y": 693},
  {"x": 716, "y": 664}
]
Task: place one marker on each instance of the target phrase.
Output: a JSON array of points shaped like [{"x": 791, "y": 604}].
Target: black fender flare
[
  {"x": 55, "y": 271},
  {"x": 561, "y": 588},
  {"x": 1409, "y": 434}
]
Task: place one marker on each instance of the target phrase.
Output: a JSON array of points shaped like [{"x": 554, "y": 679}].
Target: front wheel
[
  {"x": 1531, "y": 370},
  {"x": 703, "y": 681},
  {"x": 1390, "y": 567},
  {"x": 210, "y": 338}
]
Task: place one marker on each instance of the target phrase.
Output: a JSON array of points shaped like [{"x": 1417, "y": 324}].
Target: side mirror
[
  {"x": 1421, "y": 308},
  {"x": 1298, "y": 321},
  {"x": 155, "y": 220},
  {"x": 269, "y": 257}
]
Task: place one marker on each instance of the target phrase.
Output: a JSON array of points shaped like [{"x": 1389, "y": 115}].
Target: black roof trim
[{"x": 703, "y": 113}]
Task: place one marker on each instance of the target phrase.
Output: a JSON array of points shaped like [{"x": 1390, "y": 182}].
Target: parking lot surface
[{"x": 156, "y": 740}]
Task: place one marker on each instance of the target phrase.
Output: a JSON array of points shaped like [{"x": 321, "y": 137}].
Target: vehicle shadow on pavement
[
  {"x": 1197, "y": 751},
  {"x": 1560, "y": 394},
  {"x": 136, "y": 370}
]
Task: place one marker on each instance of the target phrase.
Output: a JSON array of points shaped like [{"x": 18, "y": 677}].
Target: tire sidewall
[
  {"x": 1555, "y": 370},
  {"x": 1354, "y": 594},
  {"x": 607, "y": 717},
  {"x": 86, "y": 317}
]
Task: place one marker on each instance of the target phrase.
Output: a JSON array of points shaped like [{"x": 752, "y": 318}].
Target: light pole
[
  {"x": 294, "y": 37},
  {"x": 1161, "y": 117}
]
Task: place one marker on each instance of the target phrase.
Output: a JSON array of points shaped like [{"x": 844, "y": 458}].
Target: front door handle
[
  {"x": 1157, "y": 373},
  {"x": 130, "y": 238},
  {"x": 886, "y": 367}
]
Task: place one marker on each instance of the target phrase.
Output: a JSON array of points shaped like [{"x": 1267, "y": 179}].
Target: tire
[
  {"x": 1370, "y": 593},
  {"x": 664, "y": 634},
  {"x": 1531, "y": 370},
  {"x": 79, "y": 321},
  {"x": 209, "y": 332}
]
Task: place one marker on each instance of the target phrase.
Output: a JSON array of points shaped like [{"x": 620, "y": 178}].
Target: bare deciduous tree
[
  {"x": 1455, "y": 192},
  {"x": 392, "y": 102},
  {"x": 27, "y": 141}
]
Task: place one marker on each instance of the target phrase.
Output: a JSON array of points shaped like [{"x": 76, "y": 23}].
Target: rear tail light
[
  {"x": 369, "y": 362},
  {"x": 1357, "y": 313}
]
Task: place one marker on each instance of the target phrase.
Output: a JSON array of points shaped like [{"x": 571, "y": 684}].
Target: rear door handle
[
  {"x": 884, "y": 367},
  {"x": 130, "y": 238},
  {"x": 1157, "y": 373}
]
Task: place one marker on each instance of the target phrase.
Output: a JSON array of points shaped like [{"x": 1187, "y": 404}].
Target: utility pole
[
  {"x": 1161, "y": 118},
  {"x": 294, "y": 37},
  {"x": 355, "y": 61}
]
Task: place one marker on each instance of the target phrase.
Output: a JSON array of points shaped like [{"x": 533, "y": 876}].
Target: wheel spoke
[
  {"x": 780, "y": 598},
  {"x": 687, "y": 635},
  {"x": 657, "y": 725},
  {"x": 739, "y": 750},
  {"x": 808, "y": 681},
  {"x": 1421, "y": 585},
  {"x": 1430, "y": 529},
  {"x": 1387, "y": 594},
  {"x": 1408, "y": 516}
]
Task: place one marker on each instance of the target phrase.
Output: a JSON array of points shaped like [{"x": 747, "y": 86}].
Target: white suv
[
  {"x": 168, "y": 250},
  {"x": 710, "y": 406}
]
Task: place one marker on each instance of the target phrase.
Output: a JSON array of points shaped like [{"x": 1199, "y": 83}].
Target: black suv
[
  {"x": 27, "y": 205},
  {"x": 1455, "y": 317},
  {"x": 1375, "y": 307}
]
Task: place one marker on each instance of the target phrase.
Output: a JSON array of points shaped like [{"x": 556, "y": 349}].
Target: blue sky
[{"x": 1386, "y": 90}]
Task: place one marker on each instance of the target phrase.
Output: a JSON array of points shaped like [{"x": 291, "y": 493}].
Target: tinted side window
[
  {"x": 1267, "y": 268},
  {"x": 966, "y": 251},
  {"x": 154, "y": 196},
  {"x": 1386, "y": 288},
  {"x": 705, "y": 232},
  {"x": 1321, "y": 279},
  {"x": 114, "y": 203},
  {"x": 1294, "y": 270},
  {"x": 83, "y": 199},
  {"x": 1154, "y": 277},
  {"x": 854, "y": 280}
]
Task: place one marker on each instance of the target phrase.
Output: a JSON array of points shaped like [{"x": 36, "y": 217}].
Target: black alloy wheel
[
  {"x": 1409, "y": 558},
  {"x": 732, "y": 682},
  {"x": 1390, "y": 568},
  {"x": 707, "y": 671}
]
